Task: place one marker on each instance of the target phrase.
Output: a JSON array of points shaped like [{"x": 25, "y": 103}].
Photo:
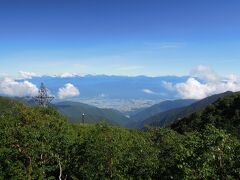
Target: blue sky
[{"x": 126, "y": 37}]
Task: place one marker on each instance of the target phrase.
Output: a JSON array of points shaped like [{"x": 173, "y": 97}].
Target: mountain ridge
[
  {"x": 223, "y": 114},
  {"x": 74, "y": 111},
  {"x": 158, "y": 108},
  {"x": 168, "y": 117}
]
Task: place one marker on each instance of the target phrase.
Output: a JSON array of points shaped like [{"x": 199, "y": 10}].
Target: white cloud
[
  {"x": 69, "y": 90},
  {"x": 211, "y": 84},
  {"x": 10, "y": 87},
  {"x": 193, "y": 89},
  {"x": 27, "y": 75},
  {"x": 67, "y": 74},
  {"x": 148, "y": 91},
  {"x": 205, "y": 73}
]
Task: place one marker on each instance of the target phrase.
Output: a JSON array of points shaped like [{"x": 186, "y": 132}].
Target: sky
[{"x": 121, "y": 37}]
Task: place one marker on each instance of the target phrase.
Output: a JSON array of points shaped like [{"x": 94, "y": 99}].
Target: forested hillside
[
  {"x": 92, "y": 114},
  {"x": 224, "y": 114},
  {"x": 168, "y": 117},
  {"x": 74, "y": 110},
  {"x": 39, "y": 143}
]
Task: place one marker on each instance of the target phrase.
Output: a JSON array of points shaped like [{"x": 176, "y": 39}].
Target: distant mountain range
[
  {"x": 167, "y": 117},
  {"x": 114, "y": 87}
]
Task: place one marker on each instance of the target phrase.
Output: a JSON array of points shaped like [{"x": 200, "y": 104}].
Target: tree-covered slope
[
  {"x": 74, "y": 111},
  {"x": 33, "y": 141},
  {"x": 168, "y": 117},
  {"x": 39, "y": 143},
  {"x": 224, "y": 114}
]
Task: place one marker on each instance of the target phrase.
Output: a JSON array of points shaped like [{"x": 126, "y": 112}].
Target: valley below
[{"x": 126, "y": 106}]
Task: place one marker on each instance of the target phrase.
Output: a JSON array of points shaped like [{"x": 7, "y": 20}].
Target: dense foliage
[
  {"x": 38, "y": 143},
  {"x": 223, "y": 114}
]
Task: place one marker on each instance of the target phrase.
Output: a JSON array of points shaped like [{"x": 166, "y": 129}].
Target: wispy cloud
[
  {"x": 205, "y": 73},
  {"x": 148, "y": 91},
  {"x": 168, "y": 85},
  {"x": 165, "y": 45}
]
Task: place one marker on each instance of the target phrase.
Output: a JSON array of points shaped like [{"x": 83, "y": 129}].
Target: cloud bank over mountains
[
  {"x": 30, "y": 75},
  {"x": 27, "y": 75},
  {"x": 201, "y": 82},
  {"x": 205, "y": 82},
  {"x": 11, "y": 87}
]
